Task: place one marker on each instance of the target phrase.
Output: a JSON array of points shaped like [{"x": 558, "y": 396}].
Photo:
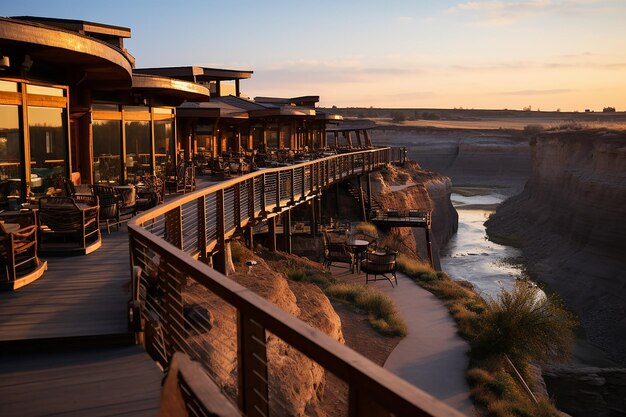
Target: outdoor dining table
[{"x": 357, "y": 246}]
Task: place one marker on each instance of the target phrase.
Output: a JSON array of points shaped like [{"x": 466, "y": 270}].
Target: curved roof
[
  {"x": 63, "y": 56},
  {"x": 169, "y": 86}
]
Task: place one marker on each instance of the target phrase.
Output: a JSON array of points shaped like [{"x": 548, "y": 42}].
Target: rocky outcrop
[
  {"x": 296, "y": 383},
  {"x": 569, "y": 221},
  {"x": 468, "y": 157},
  {"x": 583, "y": 392},
  {"x": 411, "y": 187}
]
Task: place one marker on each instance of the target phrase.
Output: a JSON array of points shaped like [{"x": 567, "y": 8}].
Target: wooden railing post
[
  {"x": 202, "y": 243},
  {"x": 252, "y": 367},
  {"x": 263, "y": 199},
  {"x": 292, "y": 175},
  {"x": 174, "y": 227},
  {"x": 219, "y": 257},
  {"x": 237, "y": 208},
  {"x": 170, "y": 284},
  {"x": 277, "y": 200}
]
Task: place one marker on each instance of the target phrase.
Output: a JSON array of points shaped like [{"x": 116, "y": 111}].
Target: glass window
[
  {"x": 46, "y": 91},
  {"x": 161, "y": 110},
  {"x": 138, "y": 150},
  {"x": 107, "y": 144},
  {"x": 105, "y": 107},
  {"x": 48, "y": 147},
  {"x": 272, "y": 136},
  {"x": 134, "y": 109},
  {"x": 257, "y": 137},
  {"x": 164, "y": 147},
  {"x": 10, "y": 151},
  {"x": 285, "y": 136},
  {"x": 10, "y": 86}
]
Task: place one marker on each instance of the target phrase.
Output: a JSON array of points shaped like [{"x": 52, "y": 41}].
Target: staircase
[{"x": 355, "y": 192}]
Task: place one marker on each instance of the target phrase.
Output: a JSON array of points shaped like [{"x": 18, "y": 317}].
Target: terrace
[{"x": 69, "y": 339}]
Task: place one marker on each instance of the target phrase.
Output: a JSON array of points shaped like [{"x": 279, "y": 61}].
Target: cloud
[
  {"x": 595, "y": 64},
  {"x": 499, "y": 13},
  {"x": 535, "y": 92}
]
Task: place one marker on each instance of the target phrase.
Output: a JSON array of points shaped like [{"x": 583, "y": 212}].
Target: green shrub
[
  {"x": 527, "y": 326},
  {"x": 296, "y": 275}
]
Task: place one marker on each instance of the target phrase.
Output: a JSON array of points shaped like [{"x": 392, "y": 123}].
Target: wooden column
[
  {"x": 287, "y": 231},
  {"x": 362, "y": 199},
  {"x": 201, "y": 232},
  {"x": 369, "y": 192},
  {"x": 314, "y": 219},
  {"x": 358, "y": 138},
  {"x": 249, "y": 237},
  {"x": 271, "y": 234},
  {"x": 429, "y": 247},
  {"x": 237, "y": 90}
]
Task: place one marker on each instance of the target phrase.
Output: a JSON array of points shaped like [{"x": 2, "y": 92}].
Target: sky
[{"x": 493, "y": 54}]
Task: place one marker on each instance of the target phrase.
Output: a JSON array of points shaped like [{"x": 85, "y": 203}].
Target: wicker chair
[
  {"x": 110, "y": 203},
  {"x": 380, "y": 262},
  {"x": 337, "y": 252},
  {"x": 151, "y": 194},
  {"x": 18, "y": 252},
  {"x": 69, "y": 225}
]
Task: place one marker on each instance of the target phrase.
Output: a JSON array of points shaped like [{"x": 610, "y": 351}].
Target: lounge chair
[
  {"x": 380, "y": 262},
  {"x": 18, "y": 251},
  {"x": 69, "y": 226}
]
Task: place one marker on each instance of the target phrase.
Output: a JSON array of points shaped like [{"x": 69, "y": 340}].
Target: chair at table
[
  {"x": 109, "y": 201},
  {"x": 337, "y": 252},
  {"x": 151, "y": 193},
  {"x": 380, "y": 262},
  {"x": 18, "y": 251},
  {"x": 69, "y": 225}
]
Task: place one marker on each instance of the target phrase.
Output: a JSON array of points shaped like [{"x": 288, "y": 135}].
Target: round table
[{"x": 357, "y": 246}]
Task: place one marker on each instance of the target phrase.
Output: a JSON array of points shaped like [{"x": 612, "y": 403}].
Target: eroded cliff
[{"x": 569, "y": 222}]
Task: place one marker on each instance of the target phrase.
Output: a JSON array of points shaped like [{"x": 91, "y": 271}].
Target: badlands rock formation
[{"x": 570, "y": 221}]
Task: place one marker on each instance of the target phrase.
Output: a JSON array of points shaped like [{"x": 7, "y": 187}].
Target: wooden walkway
[{"x": 65, "y": 345}]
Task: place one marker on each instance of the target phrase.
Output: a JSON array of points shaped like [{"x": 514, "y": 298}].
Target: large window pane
[
  {"x": 138, "y": 150},
  {"x": 285, "y": 136},
  {"x": 107, "y": 143},
  {"x": 48, "y": 147},
  {"x": 164, "y": 147},
  {"x": 272, "y": 136},
  {"x": 10, "y": 144}
]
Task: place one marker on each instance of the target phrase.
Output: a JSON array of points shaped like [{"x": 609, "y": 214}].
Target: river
[{"x": 471, "y": 256}]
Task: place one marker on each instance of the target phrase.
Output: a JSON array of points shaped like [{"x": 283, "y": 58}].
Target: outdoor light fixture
[{"x": 5, "y": 62}]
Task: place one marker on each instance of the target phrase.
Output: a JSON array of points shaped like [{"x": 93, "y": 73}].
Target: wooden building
[{"x": 70, "y": 105}]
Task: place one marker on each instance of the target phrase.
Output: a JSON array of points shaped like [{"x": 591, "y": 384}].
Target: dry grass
[
  {"x": 367, "y": 228},
  {"x": 495, "y": 328},
  {"x": 381, "y": 311}
]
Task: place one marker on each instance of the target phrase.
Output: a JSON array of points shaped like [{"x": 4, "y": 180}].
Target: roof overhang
[
  {"x": 210, "y": 109},
  {"x": 62, "y": 56},
  {"x": 184, "y": 90},
  {"x": 195, "y": 73},
  {"x": 283, "y": 111}
]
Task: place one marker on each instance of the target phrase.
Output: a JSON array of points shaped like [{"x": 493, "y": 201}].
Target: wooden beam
[
  {"x": 287, "y": 231},
  {"x": 271, "y": 234}
]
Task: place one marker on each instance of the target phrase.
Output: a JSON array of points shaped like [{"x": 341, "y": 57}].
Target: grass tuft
[{"x": 381, "y": 311}]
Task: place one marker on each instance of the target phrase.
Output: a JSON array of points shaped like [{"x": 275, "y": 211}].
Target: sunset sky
[{"x": 568, "y": 54}]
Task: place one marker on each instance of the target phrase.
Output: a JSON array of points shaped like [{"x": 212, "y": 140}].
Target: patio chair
[
  {"x": 337, "y": 252},
  {"x": 110, "y": 203},
  {"x": 380, "y": 262},
  {"x": 151, "y": 193},
  {"x": 69, "y": 226},
  {"x": 18, "y": 251}
]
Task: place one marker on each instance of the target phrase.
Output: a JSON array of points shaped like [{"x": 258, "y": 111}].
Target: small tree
[
  {"x": 399, "y": 117},
  {"x": 527, "y": 325}
]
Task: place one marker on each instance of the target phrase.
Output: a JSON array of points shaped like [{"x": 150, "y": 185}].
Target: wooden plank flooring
[
  {"x": 77, "y": 296},
  {"x": 100, "y": 382}
]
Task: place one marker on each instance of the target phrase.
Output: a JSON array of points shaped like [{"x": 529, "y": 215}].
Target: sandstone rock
[{"x": 569, "y": 221}]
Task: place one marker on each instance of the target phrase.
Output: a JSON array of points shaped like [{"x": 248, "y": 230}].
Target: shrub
[
  {"x": 296, "y": 275},
  {"x": 367, "y": 228},
  {"x": 238, "y": 251},
  {"x": 533, "y": 129},
  {"x": 527, "y": 326},
  {"x": 380, "y": 310}
]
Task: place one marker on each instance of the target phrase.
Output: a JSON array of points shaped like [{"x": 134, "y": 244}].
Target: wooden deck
[
  {"x": 65, "y": 345},
  {"x": 78, "y": 296},
  {"x": 120, "y": 381}
]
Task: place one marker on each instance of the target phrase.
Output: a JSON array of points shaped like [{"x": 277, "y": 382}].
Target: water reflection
[{"x": 471, "y": 256}]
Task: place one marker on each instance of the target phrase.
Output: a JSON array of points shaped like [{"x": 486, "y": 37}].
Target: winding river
[{"x": 471, "y": 256}]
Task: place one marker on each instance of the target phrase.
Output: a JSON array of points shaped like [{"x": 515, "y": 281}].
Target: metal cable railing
[{"x": 193, "y": 308}]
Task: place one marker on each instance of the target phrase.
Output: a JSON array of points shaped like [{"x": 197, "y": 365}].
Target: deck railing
[{"x": 242, "y": 339}]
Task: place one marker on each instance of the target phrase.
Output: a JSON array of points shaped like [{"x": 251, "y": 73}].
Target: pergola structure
[{"x": 344, "y": 135}]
